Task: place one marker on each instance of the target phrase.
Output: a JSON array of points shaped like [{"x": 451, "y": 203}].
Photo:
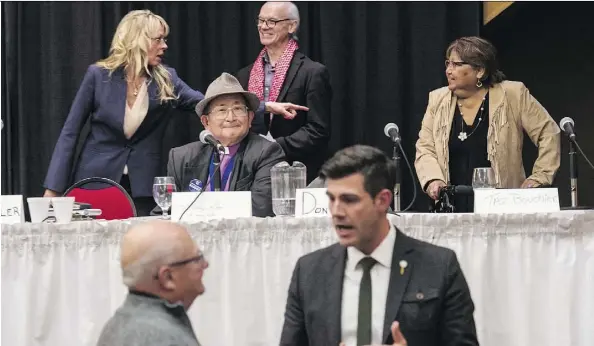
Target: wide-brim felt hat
[{"x": 226, "y": 84}]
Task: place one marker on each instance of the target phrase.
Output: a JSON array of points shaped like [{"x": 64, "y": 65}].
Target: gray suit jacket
[
  {"x": 431, "y": 300},
  {"x": 251, "y": 172},
  {"x": 147, "y": 320}
]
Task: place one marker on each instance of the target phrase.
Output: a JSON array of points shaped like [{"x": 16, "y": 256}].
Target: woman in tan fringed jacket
[{"x": 478, "y": 121}]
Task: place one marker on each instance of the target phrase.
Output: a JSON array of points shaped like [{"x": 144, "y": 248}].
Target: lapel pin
[{"x": 403, "y": 265}]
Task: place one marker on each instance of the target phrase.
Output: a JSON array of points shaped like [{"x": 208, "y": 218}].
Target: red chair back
[{"x": 105, "y": 194}]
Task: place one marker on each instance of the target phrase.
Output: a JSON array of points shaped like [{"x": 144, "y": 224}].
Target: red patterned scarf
[{"x": 256, "y": 83}]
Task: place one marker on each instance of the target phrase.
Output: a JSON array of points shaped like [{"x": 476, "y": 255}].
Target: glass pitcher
[{"x": 286, "y": 179}]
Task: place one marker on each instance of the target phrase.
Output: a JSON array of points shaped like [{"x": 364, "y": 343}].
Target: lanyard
[{"x": 226, "y": 174}]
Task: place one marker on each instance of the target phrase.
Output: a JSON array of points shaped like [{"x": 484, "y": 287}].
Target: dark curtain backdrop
[
  {"x": 383, "y": 57},
  {"x": 550, "y": 47}
]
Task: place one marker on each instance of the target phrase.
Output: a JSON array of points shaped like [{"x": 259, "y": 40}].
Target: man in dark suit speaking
[
  {"x": 227, "y": 112},
  {"x": 352, "y": 292},
  {"x": 281, "y": 73}
]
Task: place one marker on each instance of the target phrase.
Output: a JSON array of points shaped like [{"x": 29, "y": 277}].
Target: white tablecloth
[{"x": 531, "y": 276}]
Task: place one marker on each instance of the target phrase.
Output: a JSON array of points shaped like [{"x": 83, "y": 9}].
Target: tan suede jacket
[{"x": 511, "y": 110}]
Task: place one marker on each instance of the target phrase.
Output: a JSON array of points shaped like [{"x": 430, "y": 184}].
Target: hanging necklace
[
  {"x": 463, "y": 135},
  {"x": 136, "y": 87}
]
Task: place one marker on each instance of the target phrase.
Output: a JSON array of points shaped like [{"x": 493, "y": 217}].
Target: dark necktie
[{"x": 364, "y": 320}]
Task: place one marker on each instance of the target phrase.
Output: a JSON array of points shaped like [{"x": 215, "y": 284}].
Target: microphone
[
  {"x": 447, "y": 192},
  {"x": 463, "y": 190},
  {"x": 206, "y": 137},
  {"x": 391, "y": 131},
  {"x": 566, "y": 124},
  {"x": 457, "y": 189}
]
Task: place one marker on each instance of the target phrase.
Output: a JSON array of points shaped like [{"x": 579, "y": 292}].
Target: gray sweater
[{"x": 147, "y": 320}]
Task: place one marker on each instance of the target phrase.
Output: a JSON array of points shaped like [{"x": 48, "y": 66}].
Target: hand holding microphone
[{"x": 434, "y": 187}]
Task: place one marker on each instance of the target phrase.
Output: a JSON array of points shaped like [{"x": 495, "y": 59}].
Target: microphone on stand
[
  {"x": 206, "y": 137},
  {"x": 391, "y": 131},
  {"x": 446, "y": 193},
  {"x": 567, "y": 125}
]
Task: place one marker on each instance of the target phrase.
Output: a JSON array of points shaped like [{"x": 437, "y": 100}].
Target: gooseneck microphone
[{"x": 206, "y": 137}]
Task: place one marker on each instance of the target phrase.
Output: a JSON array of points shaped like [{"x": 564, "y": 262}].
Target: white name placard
[
  {"x": 11, "y": 207},
  {"x": 211, "y": 205},
  {"x": 512, "y": 201},
  {"x": 311, "y": 202}
]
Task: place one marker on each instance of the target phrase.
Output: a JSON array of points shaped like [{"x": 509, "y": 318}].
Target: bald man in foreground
[{"x": 163, "y": 268}]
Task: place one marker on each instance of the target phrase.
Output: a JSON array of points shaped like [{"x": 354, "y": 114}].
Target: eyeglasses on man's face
[
  {"x": 271, "y": 23},
  {"x": 221, "y": 113},
  {"x": 197, "y": 259}
]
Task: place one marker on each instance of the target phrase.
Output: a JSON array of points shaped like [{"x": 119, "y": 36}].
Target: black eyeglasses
[
  {"x": 271, "y": 23},
  {"x": 186, "y": 261},
  {"x": 196, "y": 259}
]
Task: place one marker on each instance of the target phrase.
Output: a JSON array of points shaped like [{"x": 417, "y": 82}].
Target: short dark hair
[
  {"x": 378, "y": 170},
  {"x": 480, "y": 53}
]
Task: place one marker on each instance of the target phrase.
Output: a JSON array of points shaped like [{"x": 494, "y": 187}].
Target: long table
[{"x": 531, "y": 276}]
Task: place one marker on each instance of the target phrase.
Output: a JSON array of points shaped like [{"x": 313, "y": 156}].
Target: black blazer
[
  {"x": 251, "y": 172},
  {"x": 431, "y": 300},
  {"x": 304, "y": 138}
]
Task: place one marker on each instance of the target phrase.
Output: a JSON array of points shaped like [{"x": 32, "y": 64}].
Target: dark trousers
[{"x": 143, "y": 205}]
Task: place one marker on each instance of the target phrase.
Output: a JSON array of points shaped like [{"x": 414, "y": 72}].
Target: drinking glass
[
  {"x": 483, "y": 178},
  {"x": 163, "y": 188}
]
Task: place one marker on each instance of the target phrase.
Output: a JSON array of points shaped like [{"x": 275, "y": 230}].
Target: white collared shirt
[{"x": 380, "y": 279}]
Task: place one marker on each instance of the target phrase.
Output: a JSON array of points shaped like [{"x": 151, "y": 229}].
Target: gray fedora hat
[{"x": 226, "y": 84}]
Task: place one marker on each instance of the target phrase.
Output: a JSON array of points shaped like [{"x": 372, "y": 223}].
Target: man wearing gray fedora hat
[{"x": 227, "y": 111}]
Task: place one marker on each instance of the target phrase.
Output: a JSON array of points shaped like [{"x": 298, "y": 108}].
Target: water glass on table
[
  {"x": 483, "y": 178},
  {"x": 163, "y": 189},
  {"x": 285, "y": 180}
]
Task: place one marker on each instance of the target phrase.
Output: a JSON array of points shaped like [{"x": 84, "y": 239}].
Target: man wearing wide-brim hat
[{"x": 227, "y": 112}]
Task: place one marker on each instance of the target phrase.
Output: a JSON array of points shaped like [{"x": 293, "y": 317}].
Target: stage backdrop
[{"x": 383, "y": 58}]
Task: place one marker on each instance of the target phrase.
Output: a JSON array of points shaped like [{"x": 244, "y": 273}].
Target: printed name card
[
  {"x": 12, "y": 209},
  {"x": 311, "y": 202},
  {"x": 211, "y": 205},
  {"x": 512, "y": 201}
]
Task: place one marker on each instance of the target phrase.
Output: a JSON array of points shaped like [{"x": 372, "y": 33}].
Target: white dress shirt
[{"x": 380, "y": 279}]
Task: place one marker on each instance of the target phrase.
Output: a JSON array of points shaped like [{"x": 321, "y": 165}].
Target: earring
[{"x": 479, "y": 83}]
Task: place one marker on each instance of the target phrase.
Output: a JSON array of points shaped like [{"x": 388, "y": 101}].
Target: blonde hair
[{"x": 129, "y": 49}]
